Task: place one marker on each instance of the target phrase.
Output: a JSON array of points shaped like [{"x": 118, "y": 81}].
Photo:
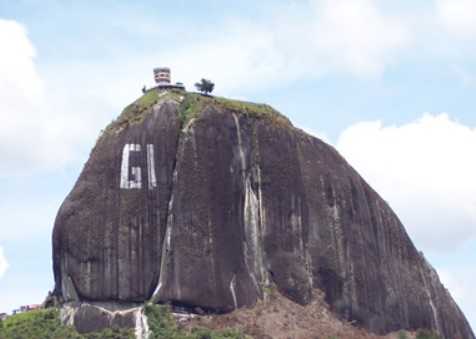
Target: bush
[
  {"x": 232, "y": 334},
  {"x": 163, "y": 326},
  {"x": 40, "y": 324},
  {"x": 202, "y": 333},
  {"x": 161, "y": 323},
  {"x": 2, "y": 333},
  {"x": 426, "y": 335},
  {"x": 402, "y": 335},
  {"x": 47, "y": 324},
  {"x": 112, "y": 333}
]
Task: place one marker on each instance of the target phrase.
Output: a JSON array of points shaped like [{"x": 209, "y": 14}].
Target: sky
[{"x": 390, "y": 84}]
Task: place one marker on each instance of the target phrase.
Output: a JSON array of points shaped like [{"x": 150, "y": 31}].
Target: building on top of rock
[
  {"x": 162, "y": 74},
  {"x": 162, "y": 78}
]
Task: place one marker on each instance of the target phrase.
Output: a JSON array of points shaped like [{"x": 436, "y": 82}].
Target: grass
[
  {"x": 47, "y": 324},
  {"x": 192, "y": 105}
]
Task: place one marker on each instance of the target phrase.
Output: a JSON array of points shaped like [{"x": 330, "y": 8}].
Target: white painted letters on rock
[
  {"x": 136, "y": 174},
  {"x": 151, "y": 166}
]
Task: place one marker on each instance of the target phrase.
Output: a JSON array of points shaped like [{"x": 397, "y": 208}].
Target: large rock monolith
[{"x": 203, "y": 202}]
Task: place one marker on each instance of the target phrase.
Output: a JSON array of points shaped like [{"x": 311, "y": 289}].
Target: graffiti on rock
[{"x": 131, "y": 176}]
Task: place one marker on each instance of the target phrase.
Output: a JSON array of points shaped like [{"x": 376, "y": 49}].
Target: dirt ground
[{"x": 279, "y": 318}]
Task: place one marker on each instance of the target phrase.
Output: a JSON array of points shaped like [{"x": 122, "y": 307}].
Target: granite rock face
[{"x": 209, "y": 213}]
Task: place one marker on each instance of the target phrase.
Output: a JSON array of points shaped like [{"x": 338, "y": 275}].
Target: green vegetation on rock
[
  {"x": 191, "y": 105},
  {"x": 426, "y": 335},
  {"x": 420, "y": 335},
  {"x": 47, "y": 324},
  {"x": 134, "y": 112},
  {"x": 162, "y": 325},
  {"x": 186, "y": 109},
  {"x": 402, "y": 335},
  {"x": 194, "y": 104},
  {"x": 2, "y": 333}
]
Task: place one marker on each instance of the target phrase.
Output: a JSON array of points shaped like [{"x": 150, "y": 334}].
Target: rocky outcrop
[
  {"x": 96, "y": 317},
  {"x": 206, "y": 212}
]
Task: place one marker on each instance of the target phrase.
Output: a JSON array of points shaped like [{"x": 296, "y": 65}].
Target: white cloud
[
  {"x": 16, "y": 66},
  {"x": 297, "y": 40},
  {"x": 357, "y": 35},
  {"x": 35, "y": 134},
  {"x": 458, "y": 17},
  {"x": 349, "y": 36},
  {"x": 3, "y": 263},
  {"x": 425, "y": 169},
  {"x": 309, "y": 39}
]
